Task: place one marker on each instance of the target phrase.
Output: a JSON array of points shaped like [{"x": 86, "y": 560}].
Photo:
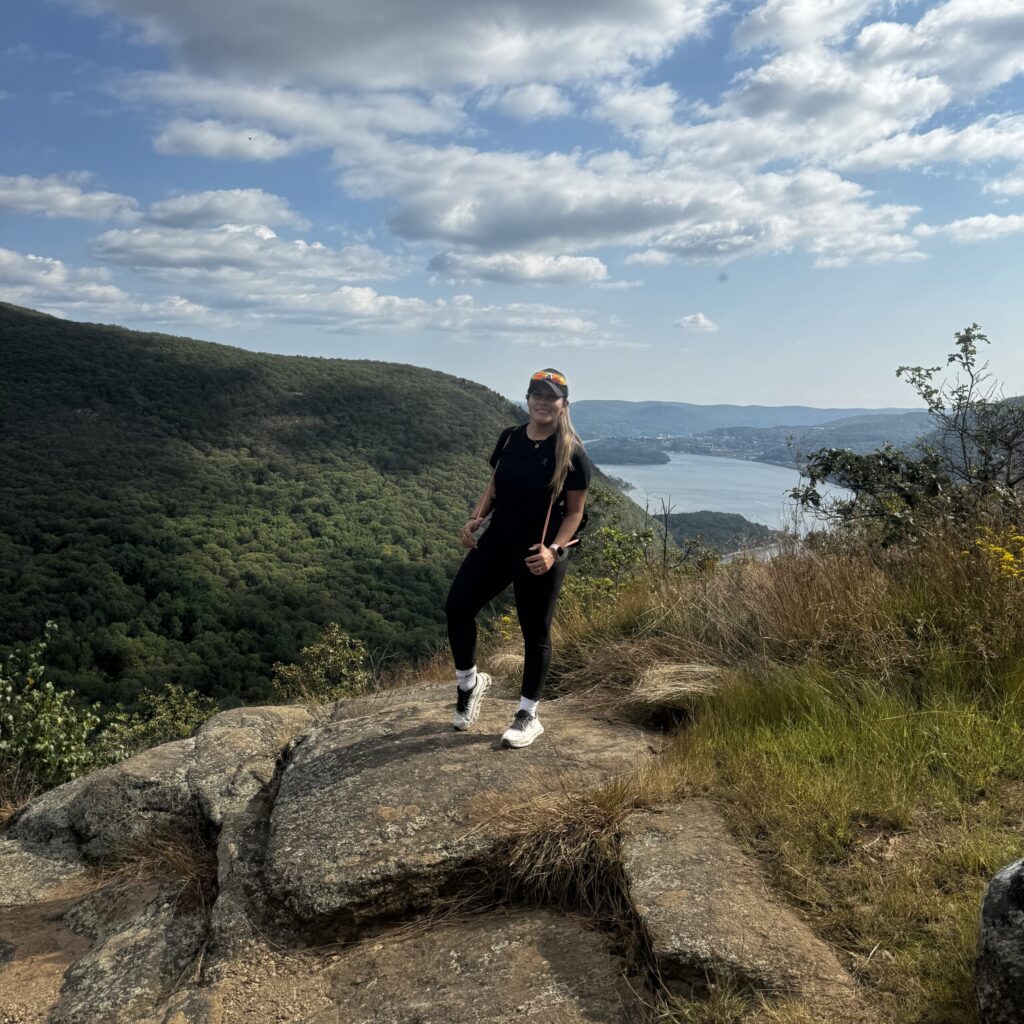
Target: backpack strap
[
  {"x": 551, "y": 504},
  {"x": 547, "y": 518},
  {"x": 479, "y": 509}
]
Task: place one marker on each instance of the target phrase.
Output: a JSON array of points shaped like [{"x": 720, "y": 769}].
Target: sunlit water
[{"x": 693, "y": 483}]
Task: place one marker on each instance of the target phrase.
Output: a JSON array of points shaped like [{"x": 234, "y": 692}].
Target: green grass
[{"x": 867, "y": 745}]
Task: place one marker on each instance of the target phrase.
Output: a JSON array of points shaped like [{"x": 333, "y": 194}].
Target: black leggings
[{"x": 485, "y": 572}]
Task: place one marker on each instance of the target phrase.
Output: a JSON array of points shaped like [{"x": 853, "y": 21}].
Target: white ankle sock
[
  {"x": 466, "y": 677},
  {"x": 525, "y": 704}
]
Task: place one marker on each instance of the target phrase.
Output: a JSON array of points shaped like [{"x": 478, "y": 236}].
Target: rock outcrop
[
  {"x": 999, "y": 964},
  {"x": 710, "y": 916},
  {"x": 345, "y": 840},
  {"x": 373, "y": 816}
]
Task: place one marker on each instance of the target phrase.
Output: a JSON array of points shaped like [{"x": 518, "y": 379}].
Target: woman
[{"x": 533, "y": 463}]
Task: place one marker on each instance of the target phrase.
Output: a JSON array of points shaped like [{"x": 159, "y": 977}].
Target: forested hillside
[{"x": 192, "y": 512}]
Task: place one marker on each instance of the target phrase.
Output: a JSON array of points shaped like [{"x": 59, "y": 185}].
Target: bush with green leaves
[
  {"x": 44, "y": 736},
  {"x": 612, "y": 556},
  {"x": 969, "y": 468},
  {"x": 172, "y": 714},
  {"x": 334, "y": 666}
]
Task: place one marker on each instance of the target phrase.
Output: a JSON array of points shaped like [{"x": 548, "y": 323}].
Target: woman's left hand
[{"x": 542, "y": 561}]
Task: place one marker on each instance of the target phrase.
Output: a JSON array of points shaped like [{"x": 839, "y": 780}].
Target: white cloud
[
  {"x": 975, "y": 229},
  {"x": 49, "y": 284},
  {"x": 61, "y": 196},
  {"x": 972, "y": 45},
  {"x": 752, "y": 173},
  {"x": 393, "y": 44},
  {"x": 510, "y": 201},
  {"x": 813, "y": 210},
  {"x": 532, "y": 102},
  {"x": 1011, "y": 185},
  {"x": 629, "y": 106},
  {"x": 520, "y": 268},
  {"x": 221, "y": 141},
  {"x": 800, "y": 23},
  {"x": 696, "y": 322},
  {"x": 223, "y": 206},
  {"x": 291, "y": 117},
  {"x": 500, "y": 202},
  {"x": 247, "y": 247},
  {"x": 993, "y": 137},
  {"x": 532, "y": 323},
  {"x": 235, "y": 297},
  {"x": 808, "y": 106},
  {"x": 650, "y": 258}
]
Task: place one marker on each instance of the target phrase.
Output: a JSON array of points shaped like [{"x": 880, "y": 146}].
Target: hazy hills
[{"x": 600, "y": 418}]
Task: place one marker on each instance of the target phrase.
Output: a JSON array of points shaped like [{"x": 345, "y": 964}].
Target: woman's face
[{"x": 544, "y": 409}]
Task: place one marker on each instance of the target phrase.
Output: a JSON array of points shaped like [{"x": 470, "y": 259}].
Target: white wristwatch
[{"x": 560, "y": 552}]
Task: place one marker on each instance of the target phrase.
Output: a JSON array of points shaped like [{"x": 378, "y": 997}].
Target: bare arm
[{"x": 474, "y": 522}]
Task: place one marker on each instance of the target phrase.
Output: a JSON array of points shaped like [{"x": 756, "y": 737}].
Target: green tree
[
  {"x": 332, "y": 667},
  {"x": 971, "y": 464}
]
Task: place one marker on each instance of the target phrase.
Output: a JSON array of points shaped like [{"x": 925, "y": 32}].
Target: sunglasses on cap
[{"x": 548, "y": 375}]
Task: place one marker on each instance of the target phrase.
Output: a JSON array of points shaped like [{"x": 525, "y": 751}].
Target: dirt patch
[{"x": 40, "y": 949}]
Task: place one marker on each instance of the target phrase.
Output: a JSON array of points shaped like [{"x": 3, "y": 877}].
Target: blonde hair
[{"x": 567, "y": 443}]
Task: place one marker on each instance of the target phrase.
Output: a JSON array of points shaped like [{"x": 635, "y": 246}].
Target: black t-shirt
[{"x": 525, "y": 469}]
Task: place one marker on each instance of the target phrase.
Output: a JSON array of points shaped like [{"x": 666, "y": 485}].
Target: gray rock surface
[
  {"x": 373, "y": 815},
  {"x": 349, "y": 820},
  {"x": 495, "y": 967},
  {"x": 126, "y": 975},
  {"x": 109, "y": 809},
  {"x": 180, "y": 788},
  {"x": 175, "y": 785},
  {"x": 709, "y": 914},
  {"x": 999, "y": 963},
  {"x": 535, "y": 966},
  {"x": 236, "y": 752},
  {"x": 31, "y": 872}
]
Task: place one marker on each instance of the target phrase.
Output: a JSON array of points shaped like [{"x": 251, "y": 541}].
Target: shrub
[
  {"x": 970, "y": 468},
  {"x": 172, "y": 714},
  {"x": 44, "y": 736},
  {"x": 612, "y": 556},
  {"x": 332, "y": 667}
]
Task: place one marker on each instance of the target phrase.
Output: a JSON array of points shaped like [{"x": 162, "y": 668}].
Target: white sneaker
[
  {"x": 525, "y": 728},
  {"x": 467, "y": 703}
]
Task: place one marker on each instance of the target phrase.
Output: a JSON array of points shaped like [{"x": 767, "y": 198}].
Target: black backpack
[{"x": 576, "y": 539}]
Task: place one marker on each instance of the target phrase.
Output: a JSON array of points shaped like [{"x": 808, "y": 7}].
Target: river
[{"x": 693, "y": 483}]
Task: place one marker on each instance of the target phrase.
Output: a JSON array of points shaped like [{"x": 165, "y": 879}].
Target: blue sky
[{"x": 684, "y": 200}]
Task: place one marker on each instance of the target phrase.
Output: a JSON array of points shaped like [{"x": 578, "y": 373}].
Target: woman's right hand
[{"x": 466, "y": 538}]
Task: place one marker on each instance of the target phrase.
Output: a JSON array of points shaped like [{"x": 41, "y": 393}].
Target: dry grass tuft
[
  {"x": 17, "y": 788},
  {"x": 562, "y": 851},
  {"x": 728, "y": 1003},
  {"x": 890, "y": 613},
  {"x": 183, "y": 859}
]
